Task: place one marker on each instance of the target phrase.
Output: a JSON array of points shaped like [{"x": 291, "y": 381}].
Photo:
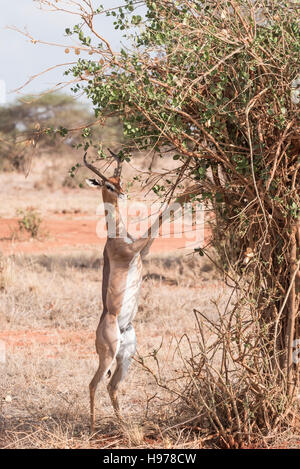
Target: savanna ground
[{"x": 50, "y": 303}]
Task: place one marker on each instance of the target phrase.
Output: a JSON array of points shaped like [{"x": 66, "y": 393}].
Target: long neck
[{"x": 114, "y": 223}]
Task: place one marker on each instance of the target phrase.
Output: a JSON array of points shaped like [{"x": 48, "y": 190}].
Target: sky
[{"x": 20, "y": 59}]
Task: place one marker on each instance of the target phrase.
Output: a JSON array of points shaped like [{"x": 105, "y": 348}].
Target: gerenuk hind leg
[
  {"x": 124, "y": 358},
  {"x": 107, "y": 345}
]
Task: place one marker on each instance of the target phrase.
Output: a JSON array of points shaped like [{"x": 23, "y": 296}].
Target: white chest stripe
[{"x": 132, "y": 289}]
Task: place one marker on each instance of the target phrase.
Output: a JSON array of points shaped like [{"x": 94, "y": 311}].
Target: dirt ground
[
  {"x": 65, "y": 231},
  {"x": 50, "y": 303},
  {"x": 49, "y": 309},
  {"x": 69, "y": 215}
]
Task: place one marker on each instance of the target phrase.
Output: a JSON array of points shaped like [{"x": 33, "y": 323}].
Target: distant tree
[{"x": 39, "y": 120}]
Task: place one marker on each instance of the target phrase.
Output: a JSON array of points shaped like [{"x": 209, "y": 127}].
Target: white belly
[{"x": 131, "y": 296}]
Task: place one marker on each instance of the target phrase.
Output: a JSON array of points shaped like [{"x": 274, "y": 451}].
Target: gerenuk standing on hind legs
[{"x": 122, "y": 278}]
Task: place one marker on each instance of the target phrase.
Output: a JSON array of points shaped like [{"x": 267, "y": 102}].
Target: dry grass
[
  {"x": 49, "y": 309},
  {"x": 43, "y": 189}
]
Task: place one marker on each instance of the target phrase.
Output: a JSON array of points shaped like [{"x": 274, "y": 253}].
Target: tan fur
[{"x": 122, "y": 276}]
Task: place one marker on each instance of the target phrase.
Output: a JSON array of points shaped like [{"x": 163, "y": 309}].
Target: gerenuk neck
[{"x": 114, "y": 223}]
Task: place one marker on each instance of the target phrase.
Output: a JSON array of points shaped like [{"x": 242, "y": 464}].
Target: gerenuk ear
[{"x": 93, "y": 182}]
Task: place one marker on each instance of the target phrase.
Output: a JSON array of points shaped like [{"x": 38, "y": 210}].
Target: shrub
[
  {"x": 217, "y": 84},
  {"x": 29, "y": 221}
]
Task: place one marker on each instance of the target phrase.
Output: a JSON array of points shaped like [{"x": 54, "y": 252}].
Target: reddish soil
[
  {"x": 58, "y": 233},
  {"x": 52, "y": 340},
  {"x": 61, "y": 232}
]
